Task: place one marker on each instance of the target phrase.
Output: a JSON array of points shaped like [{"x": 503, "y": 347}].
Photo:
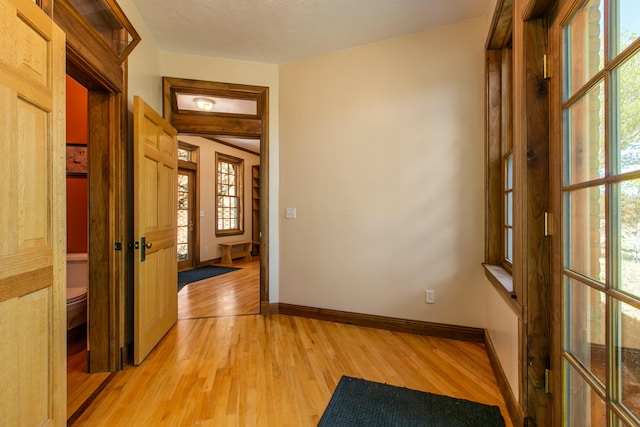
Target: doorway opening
[{"x": 226, "y": 120}]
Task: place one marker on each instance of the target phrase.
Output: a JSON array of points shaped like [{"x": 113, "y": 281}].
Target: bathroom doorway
[{"x": 80, "y": 384}]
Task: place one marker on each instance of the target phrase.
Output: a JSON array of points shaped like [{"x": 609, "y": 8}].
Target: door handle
[{"x": 144, "y": 245}]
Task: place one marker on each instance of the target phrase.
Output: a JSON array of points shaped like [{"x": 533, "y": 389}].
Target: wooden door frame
[
  {"x": 524, "y": 22},
  {"x": 92, "y": 64},
  {"x": 257, "y": 126}
]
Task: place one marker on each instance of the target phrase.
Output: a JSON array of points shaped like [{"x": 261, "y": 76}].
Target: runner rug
[{"x": 190, "y": 276}]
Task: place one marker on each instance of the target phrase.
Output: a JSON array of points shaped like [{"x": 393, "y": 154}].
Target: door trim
[
  {"x": 106, "y": 80},
  {"x": 261, "y": 93}
]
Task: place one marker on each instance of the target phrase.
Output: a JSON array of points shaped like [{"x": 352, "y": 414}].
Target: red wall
[{"x": 77, "y": 204}]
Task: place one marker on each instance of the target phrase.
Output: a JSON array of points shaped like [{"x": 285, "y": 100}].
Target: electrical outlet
[
  {"x": 206, "y": 248},
  {"x": 290, "y": 213},
  {"x": 430, "y": 296}
]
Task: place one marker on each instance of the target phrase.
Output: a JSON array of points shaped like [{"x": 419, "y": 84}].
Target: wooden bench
[{"x": 228, "y": 256}]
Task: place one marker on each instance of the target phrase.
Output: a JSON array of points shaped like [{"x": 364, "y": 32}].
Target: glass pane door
[
  {"x": 601, "y": 214},
  {"x": 186, "y": 199}
]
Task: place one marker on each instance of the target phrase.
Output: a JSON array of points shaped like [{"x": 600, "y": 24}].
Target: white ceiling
[{"x": 282, "y": 31}]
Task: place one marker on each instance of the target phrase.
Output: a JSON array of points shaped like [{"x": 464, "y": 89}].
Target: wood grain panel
[
  {"x": 537, "y": 327},
  {"x": 27, "y": 357},
  {"x": 25, "y": 283},
  {"x": 149, "y": 186},
  {"x": 34, "y": 343},
  {"x": 32, "y": 271},
  {"x": 217, "y": 125},
  {"x": 101, "y": 356},
  {"x": 32, "y": 52},
  {"x": 33, "y": 185},
  {"x": 155, "y": 199}
]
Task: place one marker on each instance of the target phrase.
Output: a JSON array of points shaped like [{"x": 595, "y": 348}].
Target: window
[
  {"x": 229, "y": 195},
  {"x": 506, "y": 139},
  {"x": 500, "y": 190},
  {"x": 184, "y": 154},
  {"x": 507, "y": 217}
]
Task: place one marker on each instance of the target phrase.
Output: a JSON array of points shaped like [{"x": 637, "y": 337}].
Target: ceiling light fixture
[{"x": 204, "y": 104}]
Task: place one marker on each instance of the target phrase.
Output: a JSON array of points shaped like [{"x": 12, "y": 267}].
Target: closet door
[{"x": 32, "y": 217}]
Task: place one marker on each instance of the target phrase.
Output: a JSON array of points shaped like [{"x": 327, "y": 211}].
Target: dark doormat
[
  {"x": 357, "y": 402},
  {"x": 190, "y": 276}
]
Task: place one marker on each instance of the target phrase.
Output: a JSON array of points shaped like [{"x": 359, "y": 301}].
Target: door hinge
[
  {"x": 548, "y": 224},
  {"x": 545, "y": 67},
  {"x": 547, "y": 381}
]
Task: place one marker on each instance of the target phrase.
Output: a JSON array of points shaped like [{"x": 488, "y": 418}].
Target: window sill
[
  {"x": 502, "y": 280},
  {"x": 229, "y": 233}
]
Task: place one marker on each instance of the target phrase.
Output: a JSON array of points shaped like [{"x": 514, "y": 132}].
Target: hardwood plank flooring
[
  {"x": 80, "y": 384},
  {"x": 235, "y": 293},
  {"x": 280, "y": 371},
  {"x": 231, "y": 294}
]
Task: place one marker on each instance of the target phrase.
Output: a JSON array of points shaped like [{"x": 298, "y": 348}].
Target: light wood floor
[
  {"x": 230, "y": 294},
  {"x": 80, "y": 384},
  {"x": 234, "y": 293},
  {"x": 218, "y": 368}
]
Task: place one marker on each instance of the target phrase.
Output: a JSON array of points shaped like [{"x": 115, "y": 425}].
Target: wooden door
[
  {"x": 186, "y": 218},
  {"x": 32, "y": 217},
  {"x": 155, "y": 195}
]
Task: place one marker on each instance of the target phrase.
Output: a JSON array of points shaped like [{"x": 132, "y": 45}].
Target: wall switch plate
[
  {"x": 290, "y": 213},
  {"x": 430, "y": 296}
]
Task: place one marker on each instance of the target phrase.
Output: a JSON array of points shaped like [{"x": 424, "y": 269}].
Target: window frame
[
  {"x": 239, "y": 164},
  {"x": 499, "y": 148}
]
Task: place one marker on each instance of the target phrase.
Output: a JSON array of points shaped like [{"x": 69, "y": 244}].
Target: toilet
[{"x": 77, "y": 280}]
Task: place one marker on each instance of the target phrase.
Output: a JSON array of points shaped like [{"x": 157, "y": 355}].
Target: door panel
[
  {"x": 155, "y": 196},
  {"x": 32, "y": 217}
]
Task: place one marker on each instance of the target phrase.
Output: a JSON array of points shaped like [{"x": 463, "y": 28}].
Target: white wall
[
  {"x": 209, "y": 248},
  {"x": 145, "y": 78},
  {"x": 382, "y": 153},
  {"x": 502, "y": 327}
]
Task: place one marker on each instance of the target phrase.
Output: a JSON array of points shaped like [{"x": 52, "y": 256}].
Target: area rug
[
  {"x": 190, "y": 276},
  {"x": 357, "y": 402}
]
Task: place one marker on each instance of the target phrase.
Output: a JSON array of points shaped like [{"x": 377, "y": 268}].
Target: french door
[
  {"x": 597, "y": 200},
  {"x": 186, "y": 218}
]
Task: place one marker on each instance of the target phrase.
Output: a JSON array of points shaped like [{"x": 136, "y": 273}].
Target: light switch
[
  {"x": 201, "y": 213},
  {"x": 290, "y": 213}
]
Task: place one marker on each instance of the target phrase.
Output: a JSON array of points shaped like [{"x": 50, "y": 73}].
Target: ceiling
[{"x": 283, "y": 31}]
